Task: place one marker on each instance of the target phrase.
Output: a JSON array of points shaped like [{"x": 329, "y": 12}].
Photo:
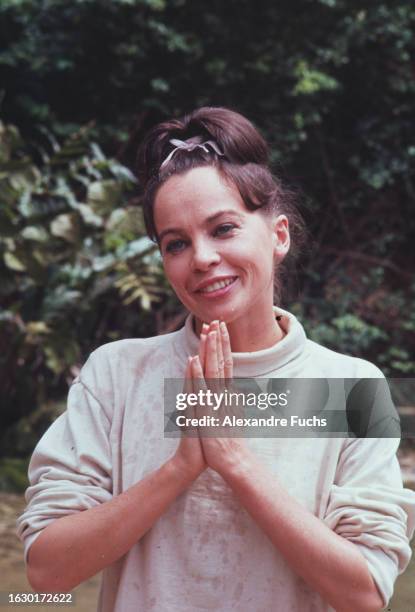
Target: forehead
[{"x": 193, "y": 196}]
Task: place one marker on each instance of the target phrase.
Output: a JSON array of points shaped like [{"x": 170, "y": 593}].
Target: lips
[
  {"x": 205, "y": 286},
  {"x": 219, "y": 286}
]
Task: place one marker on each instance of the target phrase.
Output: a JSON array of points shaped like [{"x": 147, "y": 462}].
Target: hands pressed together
[{"x": 213, "y": 364}]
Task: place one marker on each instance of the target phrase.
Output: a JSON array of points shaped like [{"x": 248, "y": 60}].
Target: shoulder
[
  {"x": 132, "y": 348},
  {"x": 116, "y": 363},
  {"x": 340, "y": 365}
]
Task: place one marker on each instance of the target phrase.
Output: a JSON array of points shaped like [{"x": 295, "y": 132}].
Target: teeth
[{"x": 218, "y": 285}]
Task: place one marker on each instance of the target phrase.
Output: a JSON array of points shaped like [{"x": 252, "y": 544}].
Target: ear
[{"x": 281, "y": 238}]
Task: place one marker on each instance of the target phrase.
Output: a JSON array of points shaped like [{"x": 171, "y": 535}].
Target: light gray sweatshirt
[{"x": 206, "y": 552}]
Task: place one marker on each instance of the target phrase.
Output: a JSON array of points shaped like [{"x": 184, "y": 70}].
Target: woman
[{"x": 211, "y": 522}]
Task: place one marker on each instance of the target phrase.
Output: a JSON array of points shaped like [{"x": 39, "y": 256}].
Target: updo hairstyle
[{"x": 245, "y": 163}]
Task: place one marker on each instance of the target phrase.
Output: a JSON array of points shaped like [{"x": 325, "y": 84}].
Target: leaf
[
  {"x": 160, "y": 85},
  {"x": 103, "y": 262},
  {"x": 53, "y": 360},
  {"x": 37, "y": 327},
  {"x": 13, "y": 262},
  {"x": 136, "y": 248},
  {"x": 64, "y": 226},
  {"x": 104, "y": 196},
  {"x": 61, "y": 355},
  {"x": 310, "y": 81},
  {"x": 89, "y": 217},
  {"x": 35, "y": 233},
  {"x": 9, "y": 140},
  {"x": 28, "y": 177}
]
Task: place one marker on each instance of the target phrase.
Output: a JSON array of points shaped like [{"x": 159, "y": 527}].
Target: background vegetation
[{"x": 330, "y": 83}]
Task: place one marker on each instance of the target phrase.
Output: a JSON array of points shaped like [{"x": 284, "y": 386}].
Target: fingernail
[
  {"x": 205, "y": 328},
  {"x": 223, "y": 327}
]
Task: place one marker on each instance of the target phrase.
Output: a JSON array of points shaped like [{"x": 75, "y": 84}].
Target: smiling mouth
[{"x": 214, "y": 287}]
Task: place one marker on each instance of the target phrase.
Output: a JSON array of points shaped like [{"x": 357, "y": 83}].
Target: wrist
[
  {"x": 182, "y": 471},
  {"x": 237, "y": 464}
]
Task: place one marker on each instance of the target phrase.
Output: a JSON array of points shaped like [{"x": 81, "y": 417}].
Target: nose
[{"x": 204, "y": 255}]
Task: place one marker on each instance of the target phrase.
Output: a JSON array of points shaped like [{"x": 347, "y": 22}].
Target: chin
[{"x": 223, "y": 314}]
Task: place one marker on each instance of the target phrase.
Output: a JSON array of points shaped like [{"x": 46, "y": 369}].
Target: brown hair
[{"x": 245, "y": 163}]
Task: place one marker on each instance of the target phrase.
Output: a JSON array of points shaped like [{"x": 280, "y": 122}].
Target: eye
[
  {"x": 225, "y": 228},
  {"x": 172, "y": 247},
  {"x": 176, "y": 246}
]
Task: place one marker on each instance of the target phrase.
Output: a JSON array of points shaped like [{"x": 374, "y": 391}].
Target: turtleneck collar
[{"x": 257, "y": 363}]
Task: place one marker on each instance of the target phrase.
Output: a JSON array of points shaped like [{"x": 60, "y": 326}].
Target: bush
[{"x": 76, "y": 267}]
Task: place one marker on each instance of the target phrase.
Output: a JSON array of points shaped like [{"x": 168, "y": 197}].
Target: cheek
[
  {"x": 175, "y": 272},
  {"x": 170, "y": 272}
]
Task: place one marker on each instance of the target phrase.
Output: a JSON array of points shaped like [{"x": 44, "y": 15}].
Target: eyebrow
[{"x": 210, "y": 219}]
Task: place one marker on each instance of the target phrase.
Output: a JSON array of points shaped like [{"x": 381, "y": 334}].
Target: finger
[
  {"x": 188, "y": 388},
  {"x": 197, "y": 373},
  {"x": 211, "y": 356},
  {"x": 202, "y": 351},
  {"x": 219, "y": 350},
  {"x": 202, "y": 345},
  {"x": 198, "y": 378},
  {"x": 227, "y": 353},
  {"x": 200, "y": 410}
]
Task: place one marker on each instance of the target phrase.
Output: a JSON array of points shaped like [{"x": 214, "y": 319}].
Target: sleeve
[
  {"x": 70, "y": 469},
  {"x": 369, "y": 506}
]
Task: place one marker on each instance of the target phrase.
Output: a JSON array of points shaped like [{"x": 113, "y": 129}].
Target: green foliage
[
  {"x": 362, "y": 313},
  {"x": 76, "y": 267},
  {"x": 13, "y": 474},
  {"x": 312, "y": 81},
  {"x": 330, "y": 84}
]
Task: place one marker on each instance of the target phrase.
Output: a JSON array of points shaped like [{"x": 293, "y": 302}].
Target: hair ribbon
[{"x": 190, "y": 145}]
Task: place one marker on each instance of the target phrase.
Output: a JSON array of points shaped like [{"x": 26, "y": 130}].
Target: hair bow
[{"x": 190, "y": 145}]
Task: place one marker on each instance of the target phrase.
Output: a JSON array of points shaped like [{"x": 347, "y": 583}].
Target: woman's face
[{"x": 207, "y": 233}]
